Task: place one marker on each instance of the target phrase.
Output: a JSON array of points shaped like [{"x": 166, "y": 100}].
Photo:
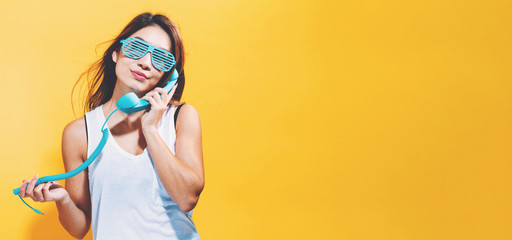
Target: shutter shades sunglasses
[{"x": 135, "y": 48}]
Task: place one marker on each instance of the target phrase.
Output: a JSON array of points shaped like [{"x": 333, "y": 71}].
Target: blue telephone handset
[{"x": 129, "y": 103}]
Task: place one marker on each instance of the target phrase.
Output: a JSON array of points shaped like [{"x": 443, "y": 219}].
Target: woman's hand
[
  {"x": 158, "y": 106},
  {"x": 44, "y": 192}
]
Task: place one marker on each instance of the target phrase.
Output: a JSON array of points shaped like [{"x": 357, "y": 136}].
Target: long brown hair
[{"x": 101, "y": 87}]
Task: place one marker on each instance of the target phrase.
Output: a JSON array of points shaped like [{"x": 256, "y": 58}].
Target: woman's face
[{"x": 130, "y": 72}]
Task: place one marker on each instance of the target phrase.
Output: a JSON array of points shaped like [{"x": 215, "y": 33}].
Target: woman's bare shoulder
[
  {"x": 188, "y": 117},
  {"x": 76, "y": 129},
  {"x": 74, "y": 137}
]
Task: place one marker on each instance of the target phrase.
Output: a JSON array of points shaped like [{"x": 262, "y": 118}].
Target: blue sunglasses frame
[{"x": 135, "y": 48}]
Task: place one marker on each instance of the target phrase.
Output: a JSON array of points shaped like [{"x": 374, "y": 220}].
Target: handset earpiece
[{"x": 130, "y": 103}]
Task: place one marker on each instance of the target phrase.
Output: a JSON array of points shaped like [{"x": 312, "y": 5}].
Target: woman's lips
[{"x": 139, "y": 75}]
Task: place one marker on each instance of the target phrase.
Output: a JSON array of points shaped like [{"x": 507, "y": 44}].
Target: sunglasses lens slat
[
  {"x": 136, "y": 47},
  {"x": 139, "y": 44},
  {"x": 163, "y": 60},
  {"x": 162, "y": 67},
  {"x": 132, "y": 52},
  {"x": 164, "y": 53}
]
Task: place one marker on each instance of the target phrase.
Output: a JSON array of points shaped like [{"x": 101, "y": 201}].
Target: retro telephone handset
[{"x": 129, "y": 103}]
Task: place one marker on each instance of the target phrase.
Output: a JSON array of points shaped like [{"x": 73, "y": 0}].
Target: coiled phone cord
[{"x": 75, "y": 171}]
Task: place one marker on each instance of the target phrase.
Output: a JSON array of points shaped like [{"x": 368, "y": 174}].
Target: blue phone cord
[{"x": 77, "y": 170}]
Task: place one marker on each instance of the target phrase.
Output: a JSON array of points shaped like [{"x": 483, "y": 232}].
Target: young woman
[{"x": 148, "y": 178}]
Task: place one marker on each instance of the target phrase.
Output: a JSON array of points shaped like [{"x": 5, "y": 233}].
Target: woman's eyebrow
[{"x": 145, "y": 41}]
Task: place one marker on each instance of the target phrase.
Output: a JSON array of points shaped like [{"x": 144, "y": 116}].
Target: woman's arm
[
  {"x": 75, "y": 209},
  {"x": 182, "y": 175}
]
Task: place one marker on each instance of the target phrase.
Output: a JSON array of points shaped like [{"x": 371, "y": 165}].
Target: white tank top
[{"x": 128, "y": 200}]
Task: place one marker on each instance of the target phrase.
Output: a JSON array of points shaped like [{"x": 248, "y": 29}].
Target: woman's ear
[{"x": 114, "y": 56}]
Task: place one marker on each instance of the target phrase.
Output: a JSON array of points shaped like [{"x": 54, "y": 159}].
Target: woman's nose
[{"x": 145, "y": 61}]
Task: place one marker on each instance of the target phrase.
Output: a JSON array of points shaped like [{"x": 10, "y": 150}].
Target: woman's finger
[
  {"x": 171, "y": 93},
  {"x": 157, "y": 97},
  {"x": 162, "y": 94},
  {"x": 56, "y": 184},
  {"x": 38, "y": 192},
  {"x": 30, "y": 188},
  {"x": 46, "y": 192},
  {"x": 23, "y": 188},
  {"x": 150, "y": 100},
  {"x": 166, "y": 97}
]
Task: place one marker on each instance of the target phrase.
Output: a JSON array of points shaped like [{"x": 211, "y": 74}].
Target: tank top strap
[
  {"x": 166, "y": 128},
  {"x": 93, "y": 124}
]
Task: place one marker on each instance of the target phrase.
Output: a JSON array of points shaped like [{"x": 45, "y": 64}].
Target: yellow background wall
[{"x": 321, "y": 119}]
